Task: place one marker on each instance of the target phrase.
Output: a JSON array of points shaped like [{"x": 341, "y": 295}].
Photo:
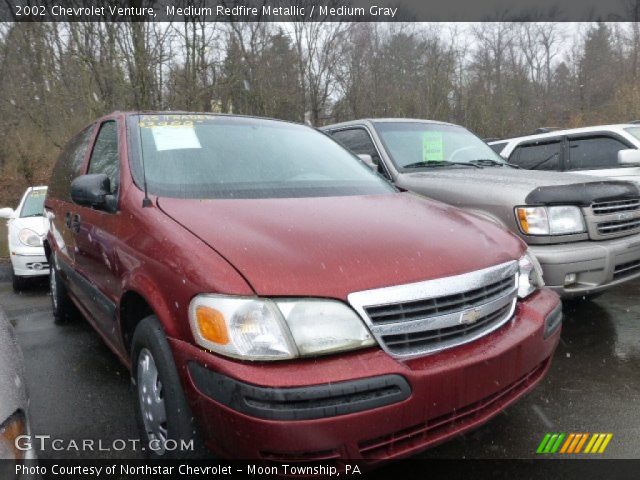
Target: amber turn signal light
[{"x": 212, "y": 325}]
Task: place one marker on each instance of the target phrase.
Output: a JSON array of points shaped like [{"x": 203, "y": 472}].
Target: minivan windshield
[
  {"x": 33, "y": 205},
  {"x": 424, "y": 145},
  {"x": 635, "y": 131},
  {"x": 216, "y": 156}
]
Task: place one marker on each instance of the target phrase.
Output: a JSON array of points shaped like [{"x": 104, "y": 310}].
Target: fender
[
  {"x": 486, "y": 216},
  {"x": 140, "y": 283}
]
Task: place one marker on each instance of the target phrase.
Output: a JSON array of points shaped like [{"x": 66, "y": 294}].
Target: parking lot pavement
[{"x": 79, "y": 390}]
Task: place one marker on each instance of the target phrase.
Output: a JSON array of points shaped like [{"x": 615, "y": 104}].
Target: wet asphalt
[{"x": 79, "y": 390}]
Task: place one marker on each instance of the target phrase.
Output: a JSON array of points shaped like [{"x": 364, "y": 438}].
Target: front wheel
[
  {"x": 161, "y": 407},
  {"x": 63, "y": 308}
]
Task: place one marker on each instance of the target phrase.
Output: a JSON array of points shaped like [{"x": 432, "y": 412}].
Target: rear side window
[
  {"x": 594, "y": 153},
  {"x": 104, "y": 157},
  {"x": 357, "y": 140},
  {"x": 539, "y": 156},
  {"x": 69, "y": 165}
]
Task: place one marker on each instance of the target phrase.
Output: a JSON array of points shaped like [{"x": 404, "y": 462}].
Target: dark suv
[{"x": 258, "y": 278}]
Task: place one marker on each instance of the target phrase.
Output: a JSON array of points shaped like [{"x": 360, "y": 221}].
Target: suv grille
[
  {"x": 612, "y": 219},
  {"x": 604, "y": 208},
  {"x": 425, "y": 317},
  {"x": 617, "y": 226}
]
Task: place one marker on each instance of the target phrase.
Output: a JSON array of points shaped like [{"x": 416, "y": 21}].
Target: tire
[
  {"x": 162, "y": 411},
  {"x": 63, "y": 308},
  {"x": 18, "y": 283}
]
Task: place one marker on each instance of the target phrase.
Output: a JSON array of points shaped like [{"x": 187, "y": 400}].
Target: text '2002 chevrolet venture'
[
  {"x": 259, "y": 279},
  {"x": 585, "y": 232}
]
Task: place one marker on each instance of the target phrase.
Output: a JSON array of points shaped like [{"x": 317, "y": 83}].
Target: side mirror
[
  {"x": 368, "y": 161},
  {"x": 630, "y": 156},
  {"x": 91, "y": 190},
  {"x": 6, "y": 212}
]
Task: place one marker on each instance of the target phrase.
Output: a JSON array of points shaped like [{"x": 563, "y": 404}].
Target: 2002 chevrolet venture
[{"x": 276, "y": 299}]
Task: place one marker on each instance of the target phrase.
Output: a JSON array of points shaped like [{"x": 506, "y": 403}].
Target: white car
[
  {"x": 27, "y": 228},
  {"x": 603, "y": 150}
]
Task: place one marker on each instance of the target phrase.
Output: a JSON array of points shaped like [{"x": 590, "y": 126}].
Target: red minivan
[{"x": 276, "y": 299}]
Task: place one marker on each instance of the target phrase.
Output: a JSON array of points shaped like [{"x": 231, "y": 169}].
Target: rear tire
[
  {"x": 162, "y": 411},
  {"x": 63, "y": 308}
]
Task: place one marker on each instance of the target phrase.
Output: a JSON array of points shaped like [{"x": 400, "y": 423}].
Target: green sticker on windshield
[{"x": 432, "y": 147}]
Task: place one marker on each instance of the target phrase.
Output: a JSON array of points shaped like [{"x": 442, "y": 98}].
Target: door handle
[
  {"x": 75, "y": 223},
  {"x": 67, "y": 219}
]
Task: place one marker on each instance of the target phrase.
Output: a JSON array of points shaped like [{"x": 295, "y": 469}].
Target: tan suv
[{"x": 585, "y": 231}]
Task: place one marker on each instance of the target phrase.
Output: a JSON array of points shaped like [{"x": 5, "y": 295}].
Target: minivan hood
[{"x": 333, "y": 246}]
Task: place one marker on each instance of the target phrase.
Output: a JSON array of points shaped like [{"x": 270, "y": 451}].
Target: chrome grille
[
  {"x": 425, "y": 317},
  {"x": 416, "y": 310},
  {"x": 604, "y": 208},
  {"x": 407, "y": 342}
]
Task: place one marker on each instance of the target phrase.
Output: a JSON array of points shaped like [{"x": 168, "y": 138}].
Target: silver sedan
[{"x": 14, "y": 401}]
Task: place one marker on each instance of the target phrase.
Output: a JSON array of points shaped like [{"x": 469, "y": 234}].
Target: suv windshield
[
  {"x": 34, "y": 203},
  {"x": 211, "y": 156},
  {"x": 635, "y": 131},
  {"x": 424, "y": 145}
]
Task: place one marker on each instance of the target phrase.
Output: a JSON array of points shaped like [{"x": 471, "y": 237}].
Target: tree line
[{"x": 495, "y": 78}]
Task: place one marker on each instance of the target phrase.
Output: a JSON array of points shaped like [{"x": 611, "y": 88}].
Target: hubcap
[
  {"x": 151, "y": 397},
  {"x": 53, "y": 286}
]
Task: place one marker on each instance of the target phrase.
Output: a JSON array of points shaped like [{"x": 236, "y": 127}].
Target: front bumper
[
  {"x": 29, "y": 262},
  {"x": 448, "y": 393},
  {"x": 598, "y": 266}
]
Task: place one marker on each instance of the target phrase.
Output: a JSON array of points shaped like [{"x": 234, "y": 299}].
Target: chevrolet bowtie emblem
[
  {"x": 470, "y": 316},
  {"x": 624, "y": 216}
]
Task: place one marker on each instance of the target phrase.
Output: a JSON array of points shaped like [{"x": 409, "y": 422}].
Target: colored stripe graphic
[{"x": 573, "y": 443}]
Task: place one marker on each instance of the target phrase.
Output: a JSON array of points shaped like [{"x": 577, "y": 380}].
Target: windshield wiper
[
  {"x": 439, "y": 163},
  {"x": 492, "y": 162},
  {"x": 539, "y": 164}
]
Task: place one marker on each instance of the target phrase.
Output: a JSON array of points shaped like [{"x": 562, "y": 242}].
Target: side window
[
  {"x": 594, "y": 153},
  {"x": 497, "y": 147},
  {"x": 538, "y": 156},
  {"x": 358, "y": 141},
  {"x": 69, "y": 165},
  {"x": 104, "y": 157}
]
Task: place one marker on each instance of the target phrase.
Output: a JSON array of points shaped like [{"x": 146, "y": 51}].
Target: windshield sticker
[
  {"x": 432, "y": 147},
  {"x": 149, "y": 121},
  {"x": 175, "y": 137}
]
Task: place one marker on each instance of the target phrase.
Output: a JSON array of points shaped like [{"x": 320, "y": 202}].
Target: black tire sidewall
[
  {"x": 149, "y": 334},
  {"x": 63, "y": 308}
]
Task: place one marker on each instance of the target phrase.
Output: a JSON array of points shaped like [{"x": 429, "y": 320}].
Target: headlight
[
  {"x": 530, "y": 275},
  {"x": 560, "y": 220},
  {"x": 29, "y": 238},
  {"x": 13, "y": 428},
  {"x": 254, "y": 328}
]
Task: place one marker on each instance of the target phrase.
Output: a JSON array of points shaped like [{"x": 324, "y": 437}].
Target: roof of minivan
[
  {"x": 383, "y": 120},
  {"x": 184, "y": 112},
  {"x": 568, "y": 131}
]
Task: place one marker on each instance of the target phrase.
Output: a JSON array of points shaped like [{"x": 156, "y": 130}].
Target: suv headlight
[
  {"x": 557, "y": 220},
  {"x": 254, "y": 328},
  {"x": 29, "y": 238},
  {"x": 10, "y": 430},
  {"x": 530, "y": 275}
]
